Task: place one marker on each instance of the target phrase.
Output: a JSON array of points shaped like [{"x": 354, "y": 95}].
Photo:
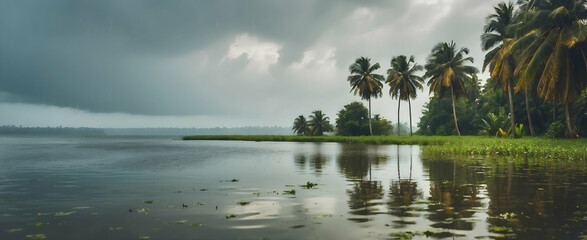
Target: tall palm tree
[
  {"x": 498, "y": 37},
  {"x": 404, "y": 83},
  {"x": 553, "y": 50},
  {"x": 320, "y": 123},
  {"x": 447, "y": 72},
  {"x": 300, "y": 126},
  {"x": 364, "y": 82}
]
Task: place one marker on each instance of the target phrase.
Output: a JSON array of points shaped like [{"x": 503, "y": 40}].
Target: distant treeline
[
  {"x": 200, "y": 131},
  {"x": 147, "y": 131},
  {"x": 51, "y": 130}
]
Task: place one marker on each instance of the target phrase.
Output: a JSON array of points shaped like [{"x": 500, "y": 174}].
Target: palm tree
[
  {"x": 553, "y": 50},
  {"x": 300, "y": 126},
  {"x": 320, "y": 123},
  {"x": 365, "y": 82},
  {"x": 498, "y": 38},
  {"x": 404, "y": 83},
  {"x": 447, "y": 71}
]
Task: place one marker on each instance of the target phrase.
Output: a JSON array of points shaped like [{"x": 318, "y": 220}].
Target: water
[{"x": 162, "y": 188}]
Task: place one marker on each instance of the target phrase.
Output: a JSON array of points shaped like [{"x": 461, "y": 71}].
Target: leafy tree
[
  {"x": 364, "y": 82},
  {"x": 500, "y": 59},
  {"x": 447, "y": 72},
  {"x": 300, "y": 126},
  {"x": 352, "y": 120},
  {"x": 381, "y": 126},
  {"x": 404, "y": 83},
  {"x": 319, "y": 123},
  {"x": 553, "y": 47}
]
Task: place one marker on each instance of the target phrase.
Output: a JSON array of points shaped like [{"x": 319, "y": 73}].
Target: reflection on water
[
  {"x": 316, "y": 159},
  {"x": 154, "y": 188}
]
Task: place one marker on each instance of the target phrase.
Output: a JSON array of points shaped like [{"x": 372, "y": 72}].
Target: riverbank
[{"x": 444, "y": 145}]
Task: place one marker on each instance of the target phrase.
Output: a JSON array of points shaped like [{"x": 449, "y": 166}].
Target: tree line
[{"x": 535, "y": 46}]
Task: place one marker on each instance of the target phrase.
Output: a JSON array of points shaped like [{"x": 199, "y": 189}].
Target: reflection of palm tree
[
  {"x": 316, "y": 159},
  {"x": 300, "y": 160},
  {"x": 362, "y": 196},
  {"x": 450, "y": 186},
  {"x": 355, "y": 160},
  {"x": 403, "y": 193}
]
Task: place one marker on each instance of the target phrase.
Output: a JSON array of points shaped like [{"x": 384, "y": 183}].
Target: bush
[{"x": 555, "y": 130}]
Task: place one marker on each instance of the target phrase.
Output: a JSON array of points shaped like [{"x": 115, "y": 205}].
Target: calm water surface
[{"x": 162, "y": 188}]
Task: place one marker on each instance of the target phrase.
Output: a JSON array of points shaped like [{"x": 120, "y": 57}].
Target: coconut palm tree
[
  {"x": 553, "y": 50},
  {"x": 319, "y": 123},
  {"x": 364, "y": 82},
  {"x": 498, "y": 38},
  {"x": 447, "y": 72},
  {"x": 300, "y": 126},
  {"x": 404, "y": 83}
]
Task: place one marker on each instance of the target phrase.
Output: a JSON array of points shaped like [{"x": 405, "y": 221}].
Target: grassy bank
[{"x": 469, "y": 145}]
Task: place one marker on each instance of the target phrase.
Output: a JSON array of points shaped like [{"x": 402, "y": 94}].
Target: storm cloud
[{"x": 269, "y": 60}]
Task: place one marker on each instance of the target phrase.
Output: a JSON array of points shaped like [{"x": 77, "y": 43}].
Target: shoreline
[{"x": 575, "y": 149}]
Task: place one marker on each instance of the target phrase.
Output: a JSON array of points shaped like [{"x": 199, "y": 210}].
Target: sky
[{"x": 151, "y": 63}]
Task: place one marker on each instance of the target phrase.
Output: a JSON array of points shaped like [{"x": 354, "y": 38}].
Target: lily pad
[
  {"x": 196, "y": 224},
  {"x": 14, "y": 230},
  {"x": 58, "y": 214},
  {"x": 115, "y": 228},
  {"x": 36, "y": 236},
  {"x": 181, "y": 221},
  {"x": 149, "y": 201},
  {"x": 291, "y": 192},
  {"x": 80, "y": 208}
]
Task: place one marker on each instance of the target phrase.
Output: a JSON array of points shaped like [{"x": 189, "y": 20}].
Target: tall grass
[{"x": 445, "y": 145}]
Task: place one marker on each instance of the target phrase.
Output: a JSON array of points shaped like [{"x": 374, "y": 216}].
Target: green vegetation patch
[{"x": 444, "y": 145}]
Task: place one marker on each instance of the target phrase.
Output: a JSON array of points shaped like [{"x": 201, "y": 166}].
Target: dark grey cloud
[{"x": 172, "y": 57}]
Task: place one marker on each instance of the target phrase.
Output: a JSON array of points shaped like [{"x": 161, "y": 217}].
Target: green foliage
[
  {"x": 310, "y": 185},
  {"x": 437, "y": 117},
  {"x": 301, "y": 127},
  {"x": 319, "y": 123},
  {"x": 493, "y": 122},
  {"x": 555, "y": 130},
  {"x": 446, "y": 67},
  {"x": 446, "y": 145},
  {"x": 381, "y": 126},
  {"x": 403, "y": 82},
  {"x": 363, "y": 80},
  {"x": 519, "y": 130},
  {"x": 352, "y": 120}
]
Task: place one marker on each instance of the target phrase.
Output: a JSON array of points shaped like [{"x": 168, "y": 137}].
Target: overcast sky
[{"x": 113, "y": 63}]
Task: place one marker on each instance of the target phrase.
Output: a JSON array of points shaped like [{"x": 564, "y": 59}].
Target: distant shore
[{"x": 575, "y": 149}]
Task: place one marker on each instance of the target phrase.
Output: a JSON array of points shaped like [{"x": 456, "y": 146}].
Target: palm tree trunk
[
  {"x": 454, "y": 113},
  {"x": 526, "y": 92},
  {"x": 512, "y": 115},
  {"x": 398, "y": 102},
  {"x": 570, "y": 130},
  {"x": 553, "y": 111},
  {"x": 370, "y": 129},
  {"x": 410, "y": 108}
]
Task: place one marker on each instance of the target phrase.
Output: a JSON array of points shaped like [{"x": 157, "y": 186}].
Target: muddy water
[{"x": 162, "y": 188}]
